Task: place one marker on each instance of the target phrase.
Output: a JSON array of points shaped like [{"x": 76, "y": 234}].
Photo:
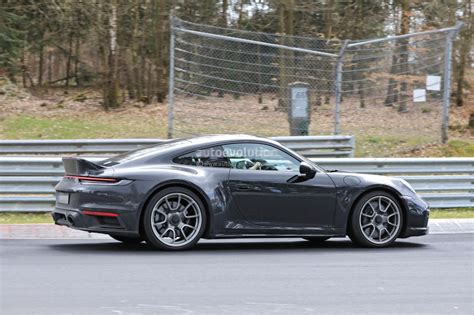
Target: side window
[
  {"x": 209, "y": 157},
  {"x": 255, "y": 156}
]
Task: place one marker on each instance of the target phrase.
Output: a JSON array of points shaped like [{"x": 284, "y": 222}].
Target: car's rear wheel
[
  {"x": 317, "y": 239},
  {"x": 174, "y": 219},
  {"x": 377, "y": 220},
  {"x": 127, "y": 239}
]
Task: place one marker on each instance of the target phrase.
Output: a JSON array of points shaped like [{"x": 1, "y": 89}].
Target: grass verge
[
  {"x": 82, "y": 127},
  {"x": 454, "y": 213},
  {"x": 33, "y": 218},
  {"x": 25, "y": 218}
]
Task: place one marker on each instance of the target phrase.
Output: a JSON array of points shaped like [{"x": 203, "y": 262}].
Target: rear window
[{"x": 128, "y": 156}]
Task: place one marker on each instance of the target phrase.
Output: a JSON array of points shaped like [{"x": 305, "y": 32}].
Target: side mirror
[{"x": 307, "y": 170}]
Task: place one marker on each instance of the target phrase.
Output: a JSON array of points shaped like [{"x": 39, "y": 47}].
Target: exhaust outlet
[{"x": 70, "y": 220}]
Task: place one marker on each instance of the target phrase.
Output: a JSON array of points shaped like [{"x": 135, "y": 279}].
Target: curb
[{"x": 51, "y": 231}]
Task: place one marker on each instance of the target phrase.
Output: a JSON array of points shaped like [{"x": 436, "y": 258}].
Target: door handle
[{"x": 242, "y": 187}]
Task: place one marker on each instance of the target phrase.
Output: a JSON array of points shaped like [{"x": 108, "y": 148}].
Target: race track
[{"x": 424, "y": 275}]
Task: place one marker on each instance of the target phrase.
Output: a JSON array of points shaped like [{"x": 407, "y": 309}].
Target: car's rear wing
[{"x": 79, "y": 166}]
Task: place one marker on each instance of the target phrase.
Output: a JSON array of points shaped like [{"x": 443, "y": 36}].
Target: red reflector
[
  {"x": 93, "y": 179},
  {"x": 100, "y": 214}
]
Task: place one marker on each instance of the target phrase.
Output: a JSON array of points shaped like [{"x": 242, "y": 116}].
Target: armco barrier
[
  {"x": 27, "y": 183},
  {"x": 310, "y": 146}
]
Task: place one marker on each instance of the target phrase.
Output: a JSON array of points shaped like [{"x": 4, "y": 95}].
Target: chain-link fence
[{"x": 383, "y": 90}]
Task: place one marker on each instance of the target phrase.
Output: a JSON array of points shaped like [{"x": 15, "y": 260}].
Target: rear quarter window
[{"x": 208, "y": 157}]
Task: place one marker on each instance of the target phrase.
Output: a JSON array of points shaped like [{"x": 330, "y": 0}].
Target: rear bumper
[
  {"x": 101, "y": 208},
  {"x": 417, "y": 216},
  {"x": 76, "y": 219}
]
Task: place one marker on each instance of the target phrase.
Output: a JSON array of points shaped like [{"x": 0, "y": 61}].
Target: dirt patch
[{"x": 379, "y": 130}]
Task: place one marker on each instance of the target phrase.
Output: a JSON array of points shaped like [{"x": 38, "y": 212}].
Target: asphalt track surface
[{"x": 425, "y": 275}]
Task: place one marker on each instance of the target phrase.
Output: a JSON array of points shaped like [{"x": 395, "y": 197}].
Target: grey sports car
[{"x": 228, "y": 186}]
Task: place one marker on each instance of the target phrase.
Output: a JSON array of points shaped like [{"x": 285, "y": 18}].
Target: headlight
[{"x": 407, "y": 186}]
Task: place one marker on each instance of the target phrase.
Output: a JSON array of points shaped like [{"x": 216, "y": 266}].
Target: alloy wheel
[
  {"x": 176, "y": 219},
  {"x": 380, "y": 220}
]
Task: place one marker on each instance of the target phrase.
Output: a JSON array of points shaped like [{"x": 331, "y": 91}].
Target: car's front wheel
[
  {"x": 174, "y": 219},
  {"x": 376, "y": 220}
]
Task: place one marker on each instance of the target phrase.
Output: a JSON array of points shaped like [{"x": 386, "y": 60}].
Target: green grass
[
  {"x": 381, "y": 145},
  {"x": 28, "y": 127},
  {"x": 459, "y": 213},
  {"x": 24, "y": 218},
  {"x": 458, "y": 148},
  {"x": 32, "y": 218}
]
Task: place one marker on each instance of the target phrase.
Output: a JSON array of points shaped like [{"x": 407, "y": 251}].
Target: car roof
[
  {"x": 222, "y": 138},
  {"x": 209, "y": 140}
]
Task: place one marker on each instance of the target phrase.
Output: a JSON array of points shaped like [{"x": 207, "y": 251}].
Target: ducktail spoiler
[{"x": 79, "y": 166}]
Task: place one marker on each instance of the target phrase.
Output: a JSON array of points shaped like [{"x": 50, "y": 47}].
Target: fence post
[
  {"x": 447, "y": 79},
  {"x": 339, "y": 65},
  {"x": 171, "y": 78}
]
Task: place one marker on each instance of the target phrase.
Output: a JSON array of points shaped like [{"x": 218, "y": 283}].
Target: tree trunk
[
  {"x": 112, "y": 88},
  {"x": 328, "y": 34},
  {"x": 466, "y": 40},
  {"x": 361, "y": 75},
  {"x": 50, "y": 66},
  {"x": 149, "y": 84},
  {"x": 286, "y": 28},
  {"x": 362, "y": 94},
  {"x": 130, "y": 83},
  {"x": 76, "y": 62},
  {"x": 404, "y": 29},
  {"x": 68, "y": 61},
  {"x": 160, "y": 44},
  {"x": 392, "y": 91},
  {"x": 134, "y": 54},
  {"x": 225, "y": 5},
  {"x": 41, "y": 64},
  {"x": 23, "y": 69}
]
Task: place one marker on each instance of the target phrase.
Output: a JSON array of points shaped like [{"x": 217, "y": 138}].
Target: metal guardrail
[
  {"x": 27, "y": 183},
  {"x": 310, "y": 146}
]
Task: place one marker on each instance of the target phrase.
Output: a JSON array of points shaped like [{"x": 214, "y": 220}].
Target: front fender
[{"x": 350, "y": 187}]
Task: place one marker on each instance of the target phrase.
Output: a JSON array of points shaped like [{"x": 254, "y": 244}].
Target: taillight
[{"x": 91, "y": 179}]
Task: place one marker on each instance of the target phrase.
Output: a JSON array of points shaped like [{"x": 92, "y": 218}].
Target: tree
[
  {"x": 122, "y": 46},
  {"x": 404, "y": 29},
  {"x": 464, "y": 48},
  {"x": 11, "y": 42},
  {"x": 111, "y": 84},
  {"x": 286, "y": 23}
]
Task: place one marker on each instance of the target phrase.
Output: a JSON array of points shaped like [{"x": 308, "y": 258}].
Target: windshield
[{"x": 131, "y": 155}]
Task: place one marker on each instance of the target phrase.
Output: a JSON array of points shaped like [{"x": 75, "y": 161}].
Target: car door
[{"x": 260, "y": 188}]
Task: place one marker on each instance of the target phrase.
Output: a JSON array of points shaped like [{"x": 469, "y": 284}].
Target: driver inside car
[{"x": 256, "y": 166}]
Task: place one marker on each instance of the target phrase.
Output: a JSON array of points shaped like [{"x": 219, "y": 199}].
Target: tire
[
  {"x": 376, "y": 220},
  {"x": 316, "y": 239},
  {"x": 174, "y": 219},
  {"x": 127, "y": 239}
]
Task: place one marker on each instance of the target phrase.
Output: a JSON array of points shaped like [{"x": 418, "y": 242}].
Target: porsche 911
[{"x": 232, "y": 186}]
